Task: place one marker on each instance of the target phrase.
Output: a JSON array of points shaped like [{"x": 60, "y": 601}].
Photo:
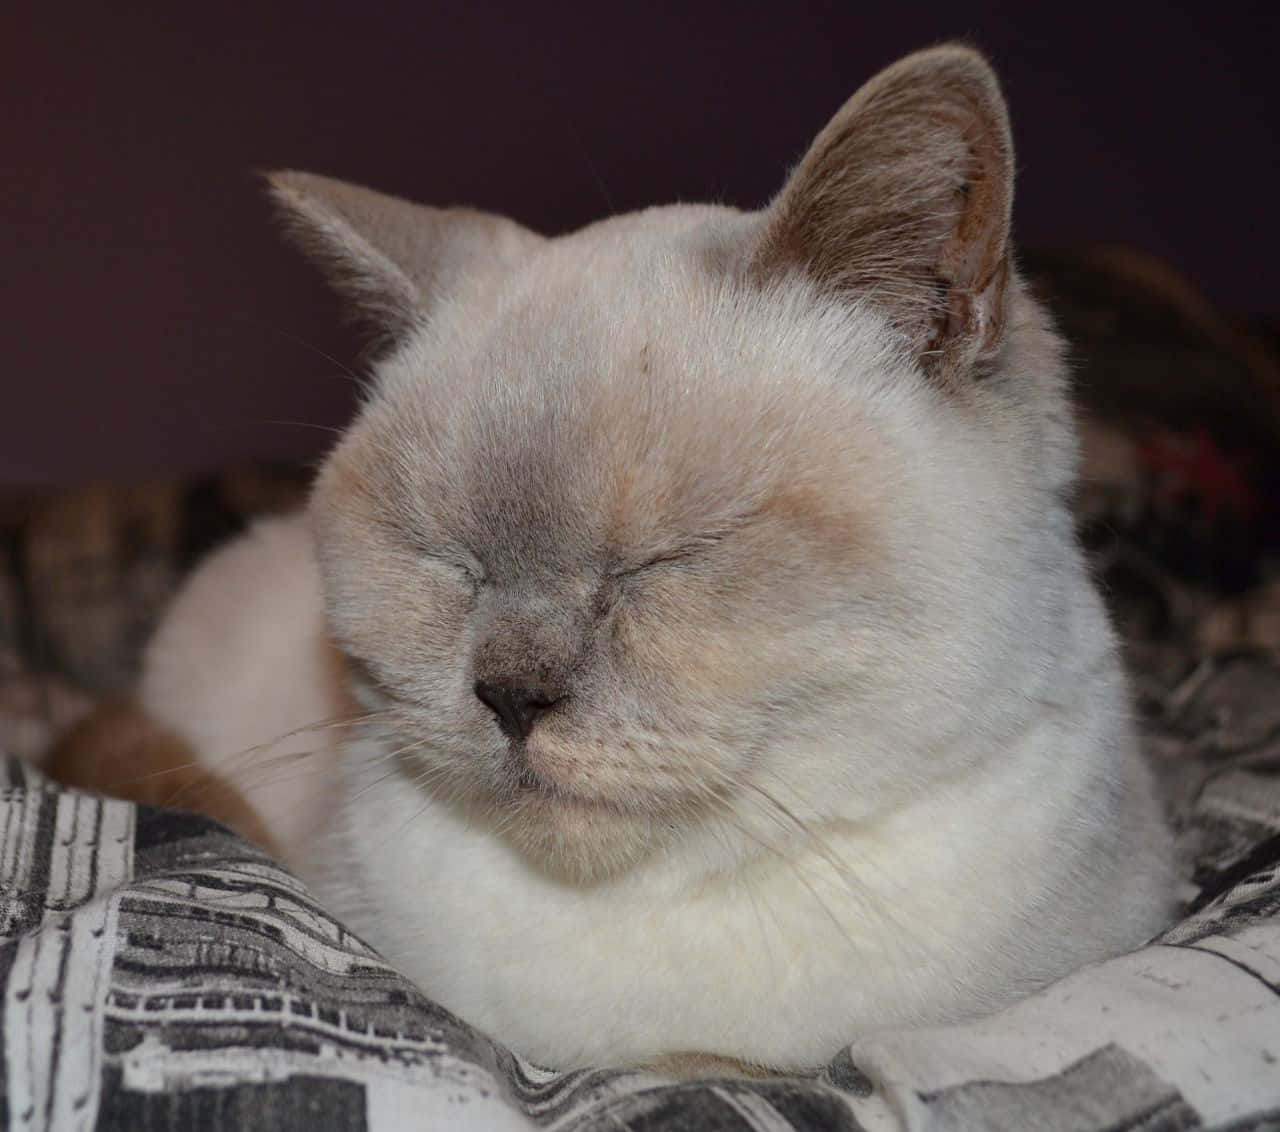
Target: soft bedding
[{"x": 158, "y": 972}]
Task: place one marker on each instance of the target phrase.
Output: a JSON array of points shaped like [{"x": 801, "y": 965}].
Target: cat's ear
[
  {"x": 904, "y": 201},
  {"x": 393, "y": 259}
]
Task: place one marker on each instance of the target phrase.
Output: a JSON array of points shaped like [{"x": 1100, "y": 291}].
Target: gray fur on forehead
[
  {"x": 604, "y": 364},
  {"x": 643, "y": 315}
]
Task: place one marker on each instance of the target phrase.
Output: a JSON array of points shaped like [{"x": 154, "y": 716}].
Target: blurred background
[{"x": 155, "y": 326}]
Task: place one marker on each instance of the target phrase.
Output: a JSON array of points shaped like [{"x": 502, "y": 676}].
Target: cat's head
[{"x": 699, "y": 518}]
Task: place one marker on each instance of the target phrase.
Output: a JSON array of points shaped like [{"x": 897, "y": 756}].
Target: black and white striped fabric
[{"x": 159, "y": 973}]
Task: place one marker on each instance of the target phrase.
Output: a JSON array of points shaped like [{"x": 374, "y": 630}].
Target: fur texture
[{"x": 765, "y": 515}]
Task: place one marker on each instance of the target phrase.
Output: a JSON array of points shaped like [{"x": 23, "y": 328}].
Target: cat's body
[{"x": 735, "y": 684}]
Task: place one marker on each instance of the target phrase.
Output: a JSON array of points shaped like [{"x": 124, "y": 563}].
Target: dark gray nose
[{"x": 516, "y": 707}]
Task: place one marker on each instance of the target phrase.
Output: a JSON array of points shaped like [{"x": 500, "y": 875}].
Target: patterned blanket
[{"x": 157, "y": 972}]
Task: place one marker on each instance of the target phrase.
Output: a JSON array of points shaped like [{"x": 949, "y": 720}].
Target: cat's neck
[{"x": 904, "y": 893}]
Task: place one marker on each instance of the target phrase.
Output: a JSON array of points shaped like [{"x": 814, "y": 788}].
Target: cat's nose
[{"x": 516, "y": 706}]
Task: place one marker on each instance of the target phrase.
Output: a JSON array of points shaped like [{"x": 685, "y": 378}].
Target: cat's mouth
[
  {"x": 529, "y": 784},
  {"x": 584, "y": 836}
]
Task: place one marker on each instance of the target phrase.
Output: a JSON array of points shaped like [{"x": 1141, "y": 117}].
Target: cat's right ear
[{"x": 392, "y": 258}]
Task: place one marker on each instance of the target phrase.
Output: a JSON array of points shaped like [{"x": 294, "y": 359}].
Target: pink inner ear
[{"x": 972, "y": 323}]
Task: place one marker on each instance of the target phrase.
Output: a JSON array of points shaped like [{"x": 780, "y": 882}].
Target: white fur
[
  {"x": 914, "y": 893},
  {"x": 860, "y": 758},
  {"x": 241, "y": 662}
]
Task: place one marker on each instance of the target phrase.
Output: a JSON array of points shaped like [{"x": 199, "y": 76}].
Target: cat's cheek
[
  {"x": 689, "y": 651},
  {"x": 408, "y": 627},
  {"x": 673, "y": 709}
]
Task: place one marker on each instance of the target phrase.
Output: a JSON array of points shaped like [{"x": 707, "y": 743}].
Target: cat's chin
[{"x": 576, "y": 839}]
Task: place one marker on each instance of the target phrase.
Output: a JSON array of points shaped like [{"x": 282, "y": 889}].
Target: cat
[{"x": 687, "y": 649}]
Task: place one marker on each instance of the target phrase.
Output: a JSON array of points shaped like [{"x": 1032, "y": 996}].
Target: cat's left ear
[
  {"x": 903, "y": 202},
  {"x": 394, "y": 259}
]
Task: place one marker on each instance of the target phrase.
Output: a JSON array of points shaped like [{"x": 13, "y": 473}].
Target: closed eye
[
  {"x": 446, "y": 558},
  {"x": 440, "y": 555},
  {"x": 686, "y": 553},
  {"x": 460, "y": 567}
]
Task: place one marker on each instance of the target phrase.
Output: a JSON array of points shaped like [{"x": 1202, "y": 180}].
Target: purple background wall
[{"x": 152, "y": 323}]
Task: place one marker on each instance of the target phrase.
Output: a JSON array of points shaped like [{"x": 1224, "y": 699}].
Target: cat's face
[
  {"x": 643, "y": 526},
  {"x": 607, "y": 487}
]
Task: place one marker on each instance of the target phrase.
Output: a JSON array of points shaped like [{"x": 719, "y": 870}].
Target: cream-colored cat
[{"x": 727, "y": 676}]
